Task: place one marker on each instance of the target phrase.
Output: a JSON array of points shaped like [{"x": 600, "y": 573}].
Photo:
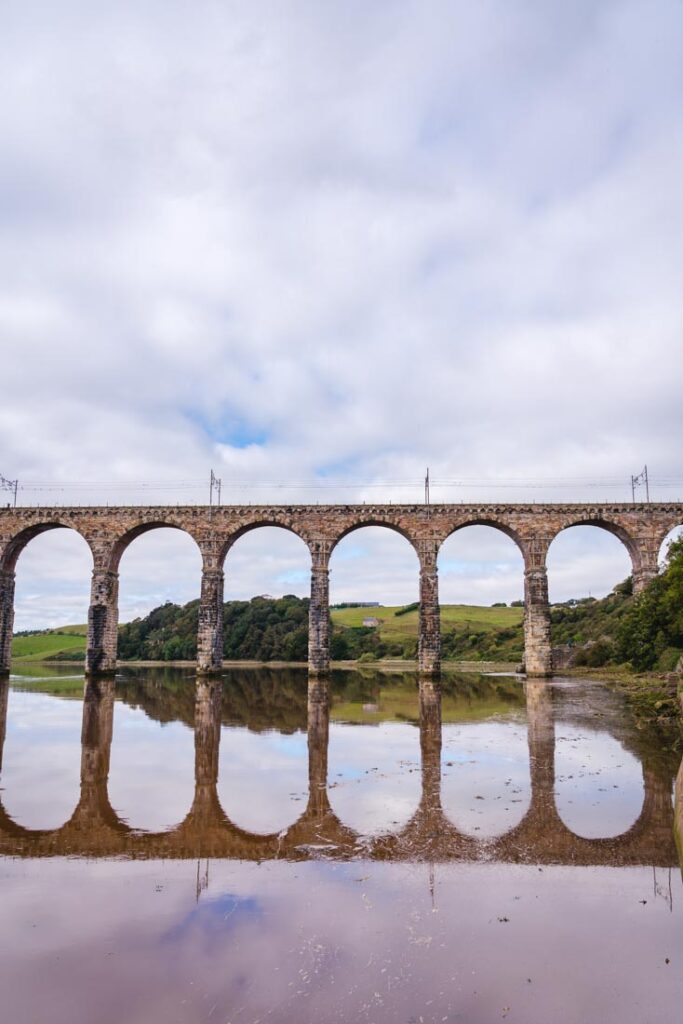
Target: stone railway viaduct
[{"x": 108, "y": 531}]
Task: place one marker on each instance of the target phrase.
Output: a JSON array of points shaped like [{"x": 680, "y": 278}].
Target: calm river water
[{"x": 250, "y": 851}]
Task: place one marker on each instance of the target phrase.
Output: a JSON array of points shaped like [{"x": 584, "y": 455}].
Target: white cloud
[{"x": 285, "y": 239}]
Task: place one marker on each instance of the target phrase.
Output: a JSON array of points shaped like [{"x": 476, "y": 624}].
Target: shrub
[{"x": 408, "y": 608}]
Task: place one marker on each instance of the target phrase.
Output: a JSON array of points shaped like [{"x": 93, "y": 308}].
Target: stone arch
[
  {"x": 610, "y": 526},
  {"x": 518, "y": 550},
  {"x": 9, "y": 555},
  {"x": 494, "y": 524},
  {"x": 373, "y": 521},
  {"x": 351, "y": 566},
  {"x": 103, "y": 614},
  {"x": 16, "y": 544},
  {"x": 665, "y": 538},
  {"x": 268, "y": 522},
  {"x": 374, "y": 524},
  {"x": 627, "y": 549},
  {"x": 124, "y": 540}
]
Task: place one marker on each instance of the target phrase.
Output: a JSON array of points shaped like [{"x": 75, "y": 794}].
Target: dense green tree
[{"x": 650, "y": 635}]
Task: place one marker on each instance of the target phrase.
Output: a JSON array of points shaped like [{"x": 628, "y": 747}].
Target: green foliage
[
  {"x": 407, "y": 608},
  {"x": 596, "y": 655},
  {"x": 643, "y": 632},
  {"x": 469, "y": 642},
  {"x": 263, "y": 629},
  {"x": 651, "y": 633}
]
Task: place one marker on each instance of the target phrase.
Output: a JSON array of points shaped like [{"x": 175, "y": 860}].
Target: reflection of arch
[
  {"x": 93, "y": 807},
  {"x": 95, "y": 830},
  {"x": 571, "y": 814},
  {"x": 18, "y": 542}
]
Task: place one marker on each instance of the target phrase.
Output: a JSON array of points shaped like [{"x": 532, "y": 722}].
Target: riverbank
[
  {"x": 654, "y": 696},
  {"x": 384, "y": 665}
]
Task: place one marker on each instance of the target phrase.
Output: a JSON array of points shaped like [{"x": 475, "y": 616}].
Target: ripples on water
[{"x": 248, "y": 850}]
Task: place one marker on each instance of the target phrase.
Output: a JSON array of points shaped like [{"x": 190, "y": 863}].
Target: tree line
[{"x": 642, "y": 633}]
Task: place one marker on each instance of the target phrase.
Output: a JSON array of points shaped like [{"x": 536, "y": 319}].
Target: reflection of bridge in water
[{"x": 541, "y": 837}]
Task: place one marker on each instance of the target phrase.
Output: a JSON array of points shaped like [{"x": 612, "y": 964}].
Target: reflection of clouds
[
  {"x": 151, "y": 777},
  {"x": 322, "y": 941},
  {"x": 485, "y": 788},
  {"x": 374, "y": 775},
  {"x": 213, "y": 916},
  {"x": 598, "y": 784},
  {"x": 41, "y": 759},
  {"x": 262, "y": 778}
]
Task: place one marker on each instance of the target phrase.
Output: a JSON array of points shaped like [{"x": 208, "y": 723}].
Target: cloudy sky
[{"x": 319, "y": 247}]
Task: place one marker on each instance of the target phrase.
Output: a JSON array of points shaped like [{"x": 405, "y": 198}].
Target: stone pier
[
  {"x": 319, "y": 613},
  {"x": 429, "y": 637},
  {"x": 103, "y": 621},
  {"x": 537, "y": 640},
  {"x": 210, "y": 628},
  {"x": 6, "y": 620}
]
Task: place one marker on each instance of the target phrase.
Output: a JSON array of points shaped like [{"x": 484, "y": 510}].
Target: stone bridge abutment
[{"x": 642, "y": 528}]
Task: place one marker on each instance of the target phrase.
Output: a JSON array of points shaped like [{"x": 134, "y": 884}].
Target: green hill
[
  {"x": 469, "y": 632},
  {"x": 66, "y": 642}
]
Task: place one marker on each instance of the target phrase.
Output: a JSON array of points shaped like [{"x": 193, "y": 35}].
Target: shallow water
[{"x": 255, "y": 850}]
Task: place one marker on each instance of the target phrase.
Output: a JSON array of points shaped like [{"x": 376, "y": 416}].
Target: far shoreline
[{"x": 386, "y": 664}]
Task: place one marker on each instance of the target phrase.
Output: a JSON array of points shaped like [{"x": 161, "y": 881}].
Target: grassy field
[
  {"x": 67, "y": 640},
  {"x": 50, "y": 644},
  {"x": 404, "y": 627}
]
